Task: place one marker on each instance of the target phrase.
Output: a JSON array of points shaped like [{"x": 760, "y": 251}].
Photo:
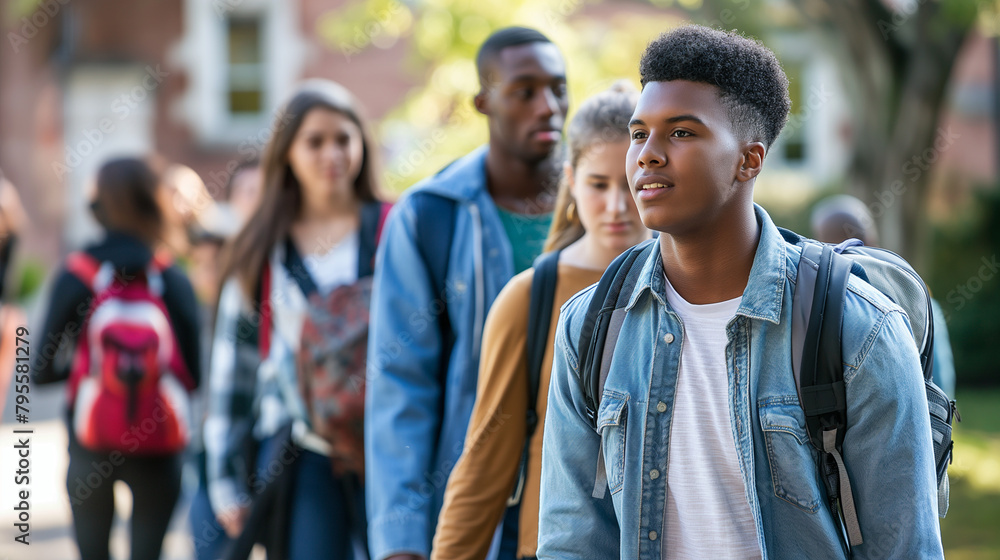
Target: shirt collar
[
  {"x": 464, "y": 179},
  {"x": 765, "y": 288}
]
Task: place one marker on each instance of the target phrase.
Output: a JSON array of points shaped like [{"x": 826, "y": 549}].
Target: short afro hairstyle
[
  {"x": 752, "y": 85},
  {"x": 500, "y": 40}
]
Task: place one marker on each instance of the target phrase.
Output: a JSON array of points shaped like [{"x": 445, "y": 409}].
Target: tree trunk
[
  {"x": 897, "y": 68},
  {"x": 917, "y": 141}
]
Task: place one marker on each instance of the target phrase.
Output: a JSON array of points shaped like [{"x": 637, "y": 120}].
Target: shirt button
[
  {"x": 654, "y": 474},
  {"x": 652, "y": 535},
  {"x": 661, "y": 406},
  {"x": 669, "y": 338}
]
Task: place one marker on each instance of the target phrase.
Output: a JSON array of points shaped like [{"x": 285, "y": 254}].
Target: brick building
[
  {"x": 194, "y": 80},
  {"x": 197, "y": 81}
]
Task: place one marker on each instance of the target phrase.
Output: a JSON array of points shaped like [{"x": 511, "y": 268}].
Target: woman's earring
[{"x": 571, "y": 211}]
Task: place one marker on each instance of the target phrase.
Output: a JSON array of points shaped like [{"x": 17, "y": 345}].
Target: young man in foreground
[{"x": 704, "y": 442}]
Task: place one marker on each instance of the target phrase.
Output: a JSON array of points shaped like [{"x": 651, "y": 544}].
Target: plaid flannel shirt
[{"x": 245, "y": 401}]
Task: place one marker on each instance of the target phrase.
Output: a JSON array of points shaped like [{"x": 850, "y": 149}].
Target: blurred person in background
[
  {"x": 215, "y": 227},
  {"x": 12, "y": 219},
  {"x": 320, "y": 181},
  {"x": 450, "y": 246},
  {"x": 595, "y": 220},
  {"x": 209, "y": 224},
  {"x": 137, "y": 438},
  {"x": 243, "y": 189},
  {"x": 841, "y": 217},
  {"x": 185, "y": 200},
  {"x": 209, "y": 536}
]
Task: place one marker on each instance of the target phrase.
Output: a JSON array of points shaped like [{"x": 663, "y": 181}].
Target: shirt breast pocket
[
  {"x": 612, "y": 420},
  {"x": 794, "y": 471}
]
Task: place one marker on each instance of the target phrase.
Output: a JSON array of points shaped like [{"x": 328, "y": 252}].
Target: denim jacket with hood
[
  {"x": 887, "y": 445},
  {"x": 414, "y": 427}
]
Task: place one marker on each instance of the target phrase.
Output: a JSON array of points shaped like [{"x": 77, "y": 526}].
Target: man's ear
[
  {"x": 482, "y": 101},
  {"x": 752, "y": 161}
]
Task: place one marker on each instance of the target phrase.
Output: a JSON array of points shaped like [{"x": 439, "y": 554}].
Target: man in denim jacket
[
  {"x": 703, "y": 440},
  {"x": 414, "y": 427}
]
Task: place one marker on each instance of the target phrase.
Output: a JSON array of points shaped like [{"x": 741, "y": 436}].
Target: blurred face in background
[
  {"x": 245, "y": 192},
  {"x": 205, "y": 270},
  {"x": 326, "y": 156},
  {"x": 184, "y": 196},
  {"x": 601, "y": 194}
]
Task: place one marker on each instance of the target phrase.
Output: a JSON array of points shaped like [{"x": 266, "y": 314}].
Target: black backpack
[
  {"x": 435, "y": 227},
  {"x": 818, "y": 303},
  {"x": 543, "y": 294}
]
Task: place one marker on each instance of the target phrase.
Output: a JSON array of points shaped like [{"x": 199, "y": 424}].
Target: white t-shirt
[
  {"x": 707, "y": 514},
  {"x": 338, "y": 266}
]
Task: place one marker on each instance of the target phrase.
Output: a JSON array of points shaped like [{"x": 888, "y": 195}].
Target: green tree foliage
[
  {"x": 437, "y": 122},
  {"x": 16, "y": 9},
  {"x": 896, "y": 58},
  {"x": 966, "y": 282}
]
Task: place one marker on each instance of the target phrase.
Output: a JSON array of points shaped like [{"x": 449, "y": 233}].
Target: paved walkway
[{"x": 51, "y": 523}]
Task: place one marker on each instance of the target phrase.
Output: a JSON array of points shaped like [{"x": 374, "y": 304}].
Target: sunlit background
[{"x": 894, "y": 101}]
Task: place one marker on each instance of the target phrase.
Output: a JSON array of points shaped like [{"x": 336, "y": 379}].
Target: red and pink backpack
[{"x": 129, "y": 385}]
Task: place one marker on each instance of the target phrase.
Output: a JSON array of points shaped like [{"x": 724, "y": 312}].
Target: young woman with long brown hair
[{"x": 319, "y": 176}]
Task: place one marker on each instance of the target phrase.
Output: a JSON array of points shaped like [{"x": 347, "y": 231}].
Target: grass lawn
[{"x": 972, "y": 528}]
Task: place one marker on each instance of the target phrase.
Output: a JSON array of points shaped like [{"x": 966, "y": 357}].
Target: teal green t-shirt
[{"x": 527, "y": 233}]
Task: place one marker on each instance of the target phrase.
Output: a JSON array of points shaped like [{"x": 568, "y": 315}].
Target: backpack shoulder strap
[
  {"x": 384, "y": 208},
  {"x": 373, "y": 216},
  {"x": 160, "y": 262},
  {"x": 821, "y": 383},
  {"x": 820, "y": 376},
  {"x": 84, "y": 267},
  {"x": 296, "y": 268},
  {"x": 543, "y": 294},
  {"x": 435, "y": 229},
  {"x": 603, "y": 322}
]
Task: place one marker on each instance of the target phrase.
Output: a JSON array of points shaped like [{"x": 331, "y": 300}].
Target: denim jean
[
  {"x": 326, "y": 517},
  {"x": 508, "y": 535},
  {"x": 208, "y": 536}
]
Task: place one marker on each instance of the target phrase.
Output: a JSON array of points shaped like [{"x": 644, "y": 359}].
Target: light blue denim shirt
[
  {"x": 414, "y": 427},
  {"x": 887, "y": 445}
]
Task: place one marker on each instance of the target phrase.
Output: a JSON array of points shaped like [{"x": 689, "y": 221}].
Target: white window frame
[
  {"x": 203, "y": 54},
  {"x": 826, "y": 154}
]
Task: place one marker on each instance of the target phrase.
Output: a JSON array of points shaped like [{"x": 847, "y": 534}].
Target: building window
[
  {"x": 245, "y": 86},
  {"x": 794, "y": 137},
  {"x": 242, "y": 57}
]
